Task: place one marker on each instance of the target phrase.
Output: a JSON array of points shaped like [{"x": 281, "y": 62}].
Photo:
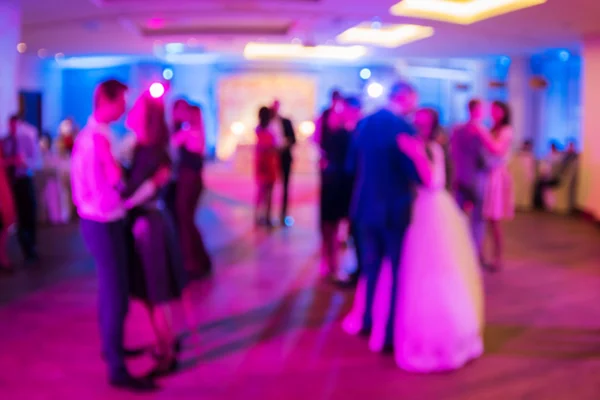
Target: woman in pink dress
[
  {"x": 498, "y": 200},
  {"x": 266, "y": 167}
]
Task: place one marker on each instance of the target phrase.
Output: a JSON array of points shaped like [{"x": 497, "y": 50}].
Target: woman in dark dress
[
  {"x": 157, "y": 273},
  {"x": 190, "y": 143},
  {"x": 336, "y": 186}
]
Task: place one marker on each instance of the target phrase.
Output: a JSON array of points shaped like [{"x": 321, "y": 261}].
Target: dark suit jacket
[
  {"x": 385, "y": 177},
  {"x": 288, "y": 132}
]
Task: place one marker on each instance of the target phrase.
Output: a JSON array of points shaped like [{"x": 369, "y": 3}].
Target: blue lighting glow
[
  {"x": 168, "y": 74},
  {"x": 564, "y": 55},
  {"x": 365, "y": 73},
  {"x": 174, "y": 48},
  {"x": 288, "y": 221}
]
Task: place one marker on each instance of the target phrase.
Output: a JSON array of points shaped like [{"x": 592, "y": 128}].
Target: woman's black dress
[
  {"x": 336, "y": 182},
  {"x": 157, "y": 274}
]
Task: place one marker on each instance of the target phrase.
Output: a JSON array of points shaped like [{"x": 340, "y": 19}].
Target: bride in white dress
[{"x": 439, "y": 309}]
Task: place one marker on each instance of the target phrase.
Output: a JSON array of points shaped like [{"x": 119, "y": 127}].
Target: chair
[
  {"x": 522, "y": 169},
  {"x": 561, "y": 199}
]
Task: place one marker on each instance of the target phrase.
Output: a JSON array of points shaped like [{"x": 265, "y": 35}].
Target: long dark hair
[
  {"x": 265, "y": 115},
  {"x": 157, "y": 132},
  {"x": 435, "y": 123},
  {"x": 506, "y": 120}
]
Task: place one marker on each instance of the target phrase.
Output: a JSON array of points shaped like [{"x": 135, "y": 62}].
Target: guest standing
[
  {"x": 157, "y": 274},
  {"x": 7, "y": 216},
  {"x": 266, "y": 167},
  {"x": 191, "y": 143},
  {"x": 94, "y": 179},
  {"x": 498, "y": 199},
  {"x": 336, "y": 186},
  {"x": 382, "y": 202},
  {"x": 180, "y": 117},
  {"x": 22, "y": 158},
  {"x": 470, "y": 172},
  {"x": 286, "y": 139}
]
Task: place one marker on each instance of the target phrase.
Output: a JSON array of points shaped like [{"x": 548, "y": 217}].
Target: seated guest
[
  {"x": 549, "y": 171},
  {"x": 571, "y": 155}
]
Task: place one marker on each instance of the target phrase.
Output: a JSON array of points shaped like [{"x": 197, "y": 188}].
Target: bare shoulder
[{"x": 507, "y": 131}]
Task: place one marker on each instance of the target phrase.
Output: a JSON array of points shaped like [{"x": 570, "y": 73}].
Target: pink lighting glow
[
  {"x": 156, "y": 23},
  {"x": 157, "y": 90}
]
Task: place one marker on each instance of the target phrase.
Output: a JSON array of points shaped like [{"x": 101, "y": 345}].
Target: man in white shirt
[
  {"x": 95, "y": 178},
  {"x": 22, "y": 159}
]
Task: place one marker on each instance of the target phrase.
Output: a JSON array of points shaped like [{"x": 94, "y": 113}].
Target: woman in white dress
[
  {"x": 439, "y": 309},
  {"x": 499, "y": 197},
  {"x": 439, "y": 318}
]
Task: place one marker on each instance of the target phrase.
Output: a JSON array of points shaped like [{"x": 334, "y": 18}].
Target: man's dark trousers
[{"x": 106, "y": 242}]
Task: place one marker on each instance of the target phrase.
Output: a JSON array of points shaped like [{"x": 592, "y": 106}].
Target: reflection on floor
[{"x": 270, "y": 329}]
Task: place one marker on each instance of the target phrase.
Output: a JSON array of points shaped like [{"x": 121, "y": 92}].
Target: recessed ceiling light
[
  {"x": 296, "y": 51},
  {"x": 386, "y": 35},
  {"x": 462, "y": 12},
  {"x": 59, "y": 56},
  {"x": 42, "y": 53},
  {"x": 21, "y": 48}
]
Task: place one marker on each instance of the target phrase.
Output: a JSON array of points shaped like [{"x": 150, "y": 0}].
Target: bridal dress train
[{"x": 439, "y": 310}]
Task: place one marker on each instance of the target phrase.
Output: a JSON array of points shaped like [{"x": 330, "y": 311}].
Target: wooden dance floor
[{"x": 270, "y": 329}]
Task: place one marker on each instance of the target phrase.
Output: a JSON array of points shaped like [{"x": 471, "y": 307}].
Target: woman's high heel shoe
[{"x": 166, "y": 366}]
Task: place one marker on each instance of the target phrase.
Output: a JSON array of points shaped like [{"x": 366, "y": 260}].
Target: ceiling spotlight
[
  {"x": 42, "y": 53},
  {"x": 296, "y": 41},
  {"x": 21, "y": 48},
  {"x": 365, "y": 73},
  {"x": 157, "y": 90},
  {"x": 59, "y": 56},
  {"x": 168, "y": 74},
  {"x": 374, "y": 90}
]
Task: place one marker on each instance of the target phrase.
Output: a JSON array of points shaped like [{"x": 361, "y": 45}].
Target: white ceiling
[{"x": 81, "y": 27}]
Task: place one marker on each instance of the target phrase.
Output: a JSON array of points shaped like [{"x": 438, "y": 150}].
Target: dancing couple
[
  {"x": 128, "y": 230},
  {"x": 420, "y": 294}
]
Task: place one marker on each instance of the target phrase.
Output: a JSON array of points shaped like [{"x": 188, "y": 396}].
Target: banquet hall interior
[{"x": 270, "y": 326}]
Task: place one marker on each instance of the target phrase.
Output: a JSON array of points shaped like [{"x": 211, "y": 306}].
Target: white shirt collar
[{"x": 99, "y": 127}]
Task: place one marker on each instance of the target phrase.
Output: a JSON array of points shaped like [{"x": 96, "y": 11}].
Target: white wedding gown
[{"x": 439, "y": 310}]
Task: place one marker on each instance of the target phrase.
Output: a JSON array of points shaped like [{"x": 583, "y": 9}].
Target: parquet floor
[{"x": 271, "y": 330}]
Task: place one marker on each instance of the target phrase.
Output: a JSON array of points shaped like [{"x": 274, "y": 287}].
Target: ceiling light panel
[
  {"x": 463, "y": 12},
  {"x": 385, "y": 36}
]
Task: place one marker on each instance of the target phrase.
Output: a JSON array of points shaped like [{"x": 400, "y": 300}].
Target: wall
[
  {"x": 560, "y": 105},
  {"x": 69, "y": 88}
]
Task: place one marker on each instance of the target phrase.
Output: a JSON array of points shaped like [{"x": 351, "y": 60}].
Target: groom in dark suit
[
  {"x": 286, "y": 137},
  {"x": 383, "y": 194}
]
